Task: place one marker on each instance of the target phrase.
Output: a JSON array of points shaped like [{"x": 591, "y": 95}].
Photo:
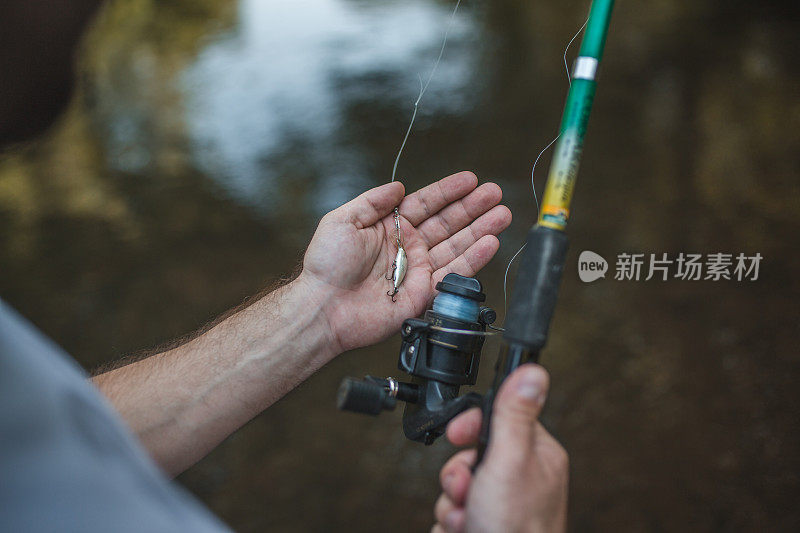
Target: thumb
[
  {"x": 516, "y": 410},
  {"x": 373, "y": 205}
]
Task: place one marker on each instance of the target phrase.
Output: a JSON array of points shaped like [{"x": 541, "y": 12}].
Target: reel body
[{"x": 441, "y": 353}]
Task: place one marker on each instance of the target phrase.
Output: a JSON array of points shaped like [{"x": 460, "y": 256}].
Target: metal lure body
[
  {"x": 400, "y": 264},
  {"x": 399, "y": 268}
]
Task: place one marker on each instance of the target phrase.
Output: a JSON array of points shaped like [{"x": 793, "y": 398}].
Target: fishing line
[
  {"x": 464, "y": 331},
  {"x": 533, "y": 172},
  {"x": 424, "y": 87}
]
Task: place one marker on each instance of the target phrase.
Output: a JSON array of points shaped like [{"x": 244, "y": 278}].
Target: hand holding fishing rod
[{"x": 522, "y": 483}]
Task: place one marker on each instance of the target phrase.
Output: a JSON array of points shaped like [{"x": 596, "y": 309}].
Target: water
[{"x": 207, "y": 140}]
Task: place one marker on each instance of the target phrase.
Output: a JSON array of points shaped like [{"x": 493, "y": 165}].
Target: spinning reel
[{"x": 441, "y": 353}]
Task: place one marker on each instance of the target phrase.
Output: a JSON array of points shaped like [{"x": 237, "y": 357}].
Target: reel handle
[{"x": 371, "y": 395}]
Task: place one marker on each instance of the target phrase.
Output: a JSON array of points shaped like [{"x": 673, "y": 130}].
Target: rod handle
[{"x": 533, "y": 300}]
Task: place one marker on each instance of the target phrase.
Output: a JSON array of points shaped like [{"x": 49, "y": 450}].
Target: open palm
[{"x": 449, "y": 226}]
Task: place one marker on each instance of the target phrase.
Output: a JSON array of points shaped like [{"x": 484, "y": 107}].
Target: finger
[
  {"x": 428, "y": 201},
  {"x": 451, "y": 518},
  {"x": 514, "y": 416},
  {"x": 491, "y": 223},
  {"x": 472, "y": 260},
  {"x": 442, "y": 508},
  {"x": 551, "y": 452},
  {"x": 463, "y": 430},
  {"x": 455, "y": 521},
  {"x": 373, "y": 205},
  {"x": 456, "y": 476},
  {"x": 460, "y": 213}
]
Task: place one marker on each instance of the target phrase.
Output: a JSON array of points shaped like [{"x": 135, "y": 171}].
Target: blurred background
[{"x": 206, "y": 138}]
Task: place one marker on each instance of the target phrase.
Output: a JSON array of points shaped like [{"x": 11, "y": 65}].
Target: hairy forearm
[{"x": 183, "y": 402}]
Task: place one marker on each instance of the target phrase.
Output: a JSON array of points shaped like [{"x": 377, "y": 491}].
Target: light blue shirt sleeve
[{"x": 67, "y": 462}]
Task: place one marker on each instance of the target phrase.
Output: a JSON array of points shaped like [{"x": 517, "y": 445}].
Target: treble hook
[{"x": 392, "y": 294}]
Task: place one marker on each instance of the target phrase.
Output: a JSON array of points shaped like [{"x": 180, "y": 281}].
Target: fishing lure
[{"x": 400, "y": 264}]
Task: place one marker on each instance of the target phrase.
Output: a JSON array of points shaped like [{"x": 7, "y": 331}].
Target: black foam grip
[{"x": 533, "y": 299}]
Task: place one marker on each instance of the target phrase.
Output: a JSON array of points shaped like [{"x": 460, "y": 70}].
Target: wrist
[{"x": 316, "y": 299}]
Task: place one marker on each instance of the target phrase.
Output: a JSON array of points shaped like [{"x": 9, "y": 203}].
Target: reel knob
[{"x": 362, "y": 396}]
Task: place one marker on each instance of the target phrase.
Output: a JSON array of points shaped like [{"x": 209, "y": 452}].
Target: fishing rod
[
  {"x": 535, "y": 293},
  {"x": 441, "y": 351}
]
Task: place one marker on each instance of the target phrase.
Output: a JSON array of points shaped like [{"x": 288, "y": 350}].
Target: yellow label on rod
[{"x": 561, "y": 181}]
